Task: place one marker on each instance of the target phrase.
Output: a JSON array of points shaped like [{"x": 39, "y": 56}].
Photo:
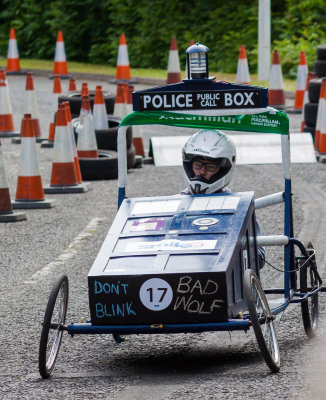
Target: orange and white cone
[
  {"x": 310, "y": 75},
  {"x": 6, "y": 213},
  {"x": 60, "y": 62},
  {"x": 123, "y": 67},
  {"x": 120, "y": 104},
  {"x": 129, "y": 99},
  {"x": 137, "y": 140},
  {"x": 174, "y": 72},
  {"x": 84, "y": 89},
  {"x": 57, "y": 90},
  {"x": 321, "y": 114},
  {"x": 63, "y": 173},
  {"x": 86, "y": 145},
  {"x": 276, "y": 96},
  {"x": 6, "y": 117},
  {"x": 13, "y": 65},
  {"x": 73, "y": 141},
  {"x": 100, "y": 118},
  {"x": 72, "y": 85},
  {"x": 321, "y": 144},
  {"x": 302, "y": 73},
  {"x": 29, "y": 193},
  {"x": 242, "y": 67},
  {"x": 30, "y": 106}
]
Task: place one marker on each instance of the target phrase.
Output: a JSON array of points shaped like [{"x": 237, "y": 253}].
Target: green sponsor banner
[{"x": 268, "y": 122}]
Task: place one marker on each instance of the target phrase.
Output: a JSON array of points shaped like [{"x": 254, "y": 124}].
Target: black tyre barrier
[
  {"x": 106, "y": 166},
  {"x": 320, "y": 68},
  {"x": 321, "y": 52},
  {"x": 107, "y": 138},
  {"x": 75, "y": 100},
  {"x": 310, "y": 113},
  {"x": 310, "y": 129},
  {"x": 314, "y": 90}
]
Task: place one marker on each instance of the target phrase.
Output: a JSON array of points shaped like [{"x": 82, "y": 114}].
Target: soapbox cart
[{"x": 174, "y": 264}]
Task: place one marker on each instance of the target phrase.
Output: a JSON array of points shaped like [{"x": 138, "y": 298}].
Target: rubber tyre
[
  {"x": 75, "y": 100},
  {"x": 320, "y": 68},
  {"x": 106, "y": 166},
  {"x": 314, "y": 90},
  {"x": 107, "y": 138},
  {"x": 56, "y": 307},
  {"x": 310, "y": 306},
  {"x": 310, "y": 113},
  {"x": 259, "y": 309},
  {"x": 321, "y": 52},
  {"x": 310, "y": 129}
]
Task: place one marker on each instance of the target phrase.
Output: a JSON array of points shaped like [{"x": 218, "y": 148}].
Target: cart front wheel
[
  {"x": 309, "y": 282},
  {"x": 261, "y": 319},
  {"x": 52, "y": 330}
]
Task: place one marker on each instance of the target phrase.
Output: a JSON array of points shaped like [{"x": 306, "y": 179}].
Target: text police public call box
[
  {"x": 200, "y": 95},
  {"x": 174, "y": 259}
]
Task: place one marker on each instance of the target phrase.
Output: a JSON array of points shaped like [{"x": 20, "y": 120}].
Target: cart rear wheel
[
  {"x": 52, "y": 330},
  {"x": 262, "y": 320},
  {"x": 308, "y": 281}
]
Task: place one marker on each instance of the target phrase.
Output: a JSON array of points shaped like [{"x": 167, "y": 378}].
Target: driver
[{"x": 209, "y": 158}]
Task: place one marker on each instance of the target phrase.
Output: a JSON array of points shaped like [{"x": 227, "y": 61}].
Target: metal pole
[{"x": 264, "y": 39}]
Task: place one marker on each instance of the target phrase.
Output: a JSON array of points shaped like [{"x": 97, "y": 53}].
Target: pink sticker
[{"x": 147, "y": 224}]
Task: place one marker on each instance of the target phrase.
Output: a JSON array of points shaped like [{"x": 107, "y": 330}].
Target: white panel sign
[
  {"x": 150, "y": 207},
  {"x": 214, "y": 203}
]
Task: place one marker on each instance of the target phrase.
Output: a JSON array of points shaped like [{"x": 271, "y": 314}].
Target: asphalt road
[{"x": 67, "y": 238}]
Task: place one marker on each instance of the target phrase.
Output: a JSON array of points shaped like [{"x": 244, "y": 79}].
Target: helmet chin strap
[{"x": 197, "y": 186}]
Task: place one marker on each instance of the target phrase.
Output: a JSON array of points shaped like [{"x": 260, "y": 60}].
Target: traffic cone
[
  {"x": 6, "y": 212},
  {"x": 6, "y": 117},
  {"x": 123, "y": 67},
  {"x": 63, "y": 173},
  {"x": 191, "y": 43},
  {"x": 119, "y": 104},
  {"x": 321, "y": 145},
  {"x": 174, "y": 73},
  {"x": 321, "y": 114},
  {"x": 310, "y": 75},
  {"x": 100, "y": 118},
  {"x": 84, "y": 90},
  {"x": 72, "y": 85},
  {"x": 31, "y": 104},
  {"x": 302, "y": 73},
  {"x": 60, "y": 62},
  {"x": 276, "y": 96},
  {"x": 13, "y": 65},
  {"x": 137, "y": 140},
  {"x": 57, "y": 90},
  {"x": 73, "y": 141},
  {"x": 29, "y": 193},
  {"x": 242, "y": 67},
  {"x": 86, "y": 145},
  {"x": 129, "y": 99}
]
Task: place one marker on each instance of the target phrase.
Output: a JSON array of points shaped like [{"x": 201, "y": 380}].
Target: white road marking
[{"x": 69, "y": 253}]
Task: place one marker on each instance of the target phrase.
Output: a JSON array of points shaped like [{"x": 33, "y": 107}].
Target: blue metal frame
[{"x": 88, "y": 328}]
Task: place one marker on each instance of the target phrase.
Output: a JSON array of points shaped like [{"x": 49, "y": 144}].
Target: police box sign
[{"x": 199, "y": 100}]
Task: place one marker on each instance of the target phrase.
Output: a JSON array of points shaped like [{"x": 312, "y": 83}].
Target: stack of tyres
[{"x": 311, "y": 108}]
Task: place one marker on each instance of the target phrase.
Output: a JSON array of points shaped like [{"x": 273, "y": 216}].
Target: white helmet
[{"x": 210, "y": 145}]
